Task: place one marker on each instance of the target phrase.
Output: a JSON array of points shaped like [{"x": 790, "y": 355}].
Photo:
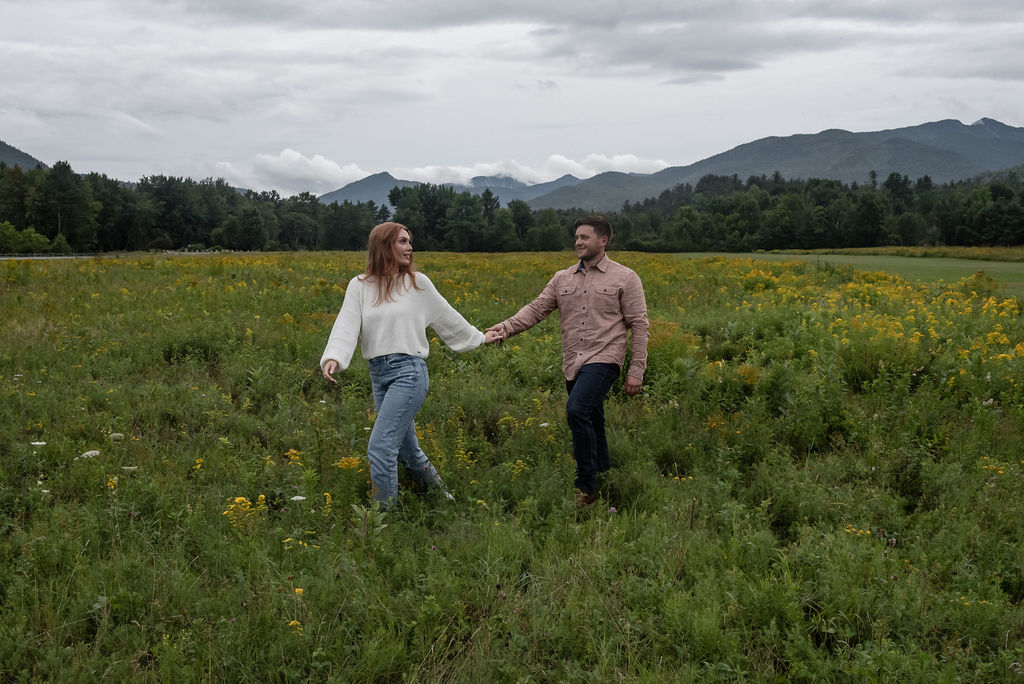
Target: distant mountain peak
[
  {"x": 985, "y": 121},
  {"x": 503, "y": 180},
  {"x": 505, "y": 187}
]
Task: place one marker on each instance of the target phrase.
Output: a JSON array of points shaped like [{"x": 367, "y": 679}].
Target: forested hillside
[
  {"x": 12, "y": 156},
  {"x": 57, "y": 210}
]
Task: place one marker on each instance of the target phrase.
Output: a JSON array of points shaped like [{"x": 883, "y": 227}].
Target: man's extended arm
[{"x": 531, "y": 314}]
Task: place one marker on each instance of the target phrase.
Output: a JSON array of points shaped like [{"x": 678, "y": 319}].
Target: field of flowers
[{"x": 822, "y": 480}]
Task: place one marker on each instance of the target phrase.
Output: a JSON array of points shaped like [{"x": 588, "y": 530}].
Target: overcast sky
[{"x": 310, "y": 96}]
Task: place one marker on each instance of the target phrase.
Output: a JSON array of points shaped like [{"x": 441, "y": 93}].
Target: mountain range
[
  {"x": 945, "y": 151},
  {"x": 377, "y": 187}
]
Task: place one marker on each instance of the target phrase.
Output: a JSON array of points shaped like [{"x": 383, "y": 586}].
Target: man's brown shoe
[{"x": 583, "y": 499}]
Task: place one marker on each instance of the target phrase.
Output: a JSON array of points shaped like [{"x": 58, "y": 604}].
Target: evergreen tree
[{"x": 66, "y": 207}]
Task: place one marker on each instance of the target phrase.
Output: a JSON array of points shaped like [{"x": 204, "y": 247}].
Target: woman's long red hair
[{"x": 381, "y": 264}]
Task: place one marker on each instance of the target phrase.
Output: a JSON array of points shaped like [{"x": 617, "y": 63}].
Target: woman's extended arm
[
  {"x": 345, "y": 333},
  {"x": 448, "y": 323}
]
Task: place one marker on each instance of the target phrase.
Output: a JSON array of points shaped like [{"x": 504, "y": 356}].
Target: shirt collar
[{"x": 601, "y": 265}]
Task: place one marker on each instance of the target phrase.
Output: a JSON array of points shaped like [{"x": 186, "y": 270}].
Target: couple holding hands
[{"x": 388, "y": 308}]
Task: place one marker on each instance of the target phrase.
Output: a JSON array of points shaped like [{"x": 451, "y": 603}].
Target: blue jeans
[
  {"x": 400, "y": 385},
  {"x": 585, "y": 413}
]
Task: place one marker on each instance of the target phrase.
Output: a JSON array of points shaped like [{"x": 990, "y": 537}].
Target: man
[{"x": 599, "y": 300}]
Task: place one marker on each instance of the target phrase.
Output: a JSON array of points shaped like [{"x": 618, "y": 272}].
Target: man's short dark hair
[{"x": 600, "y": 224}]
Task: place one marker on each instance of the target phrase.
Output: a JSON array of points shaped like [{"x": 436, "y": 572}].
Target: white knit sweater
[{"x": 398, "y": 326}]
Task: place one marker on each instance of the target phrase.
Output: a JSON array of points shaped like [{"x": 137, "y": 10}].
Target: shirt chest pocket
[
  {"x": 566, "y": 295},
  {"x": 606, "y": 298}
]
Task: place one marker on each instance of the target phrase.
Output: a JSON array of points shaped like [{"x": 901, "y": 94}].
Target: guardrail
[{"x": 45, "y": 255}]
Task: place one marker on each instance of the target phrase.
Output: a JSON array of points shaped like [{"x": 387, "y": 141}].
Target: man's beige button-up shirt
[{"x": 597, "y": 306}]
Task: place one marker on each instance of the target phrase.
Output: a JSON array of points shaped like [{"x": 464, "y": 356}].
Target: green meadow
[
  {"x": 1004, "y": 266},
  {"x": 821, "y": 481}
]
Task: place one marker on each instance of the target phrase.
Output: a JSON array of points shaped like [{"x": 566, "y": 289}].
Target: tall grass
[{"x": 821, "y": 480}]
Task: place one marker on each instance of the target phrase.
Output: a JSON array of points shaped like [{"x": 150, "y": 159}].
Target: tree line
[
  {"x": 724, "y": 213},
  {"x": 57, "y": 210}
]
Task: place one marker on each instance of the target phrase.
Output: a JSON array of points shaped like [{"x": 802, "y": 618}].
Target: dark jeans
[{"x": 585, "y": 413}]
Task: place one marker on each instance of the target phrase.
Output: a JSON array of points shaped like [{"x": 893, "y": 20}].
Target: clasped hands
[{"x": 496, "y": 333}]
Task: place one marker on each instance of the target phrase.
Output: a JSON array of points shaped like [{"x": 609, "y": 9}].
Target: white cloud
[
  {"x": 291, "y": 172},
  {"x": 553, "y": 167},
  {"x": 295, "y": 172},
  {"x": 593, "y": 164}
]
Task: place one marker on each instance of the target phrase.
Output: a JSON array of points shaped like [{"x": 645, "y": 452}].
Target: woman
[{"x": 387, "y": 310}]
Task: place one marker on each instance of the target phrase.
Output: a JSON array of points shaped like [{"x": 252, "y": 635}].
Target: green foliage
[
  {"x": 821, "y": 480},
  {"x": 724, "y": 214},
  {"x": 720, "y": 213},
  {"x": 27, "y": 241}
]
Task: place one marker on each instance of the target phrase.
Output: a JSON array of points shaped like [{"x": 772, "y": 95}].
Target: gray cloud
[
  {"x": 292, "y": 93},
  {"x": 671, "y": 42},
  {"x": 412, "y": 15}
]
